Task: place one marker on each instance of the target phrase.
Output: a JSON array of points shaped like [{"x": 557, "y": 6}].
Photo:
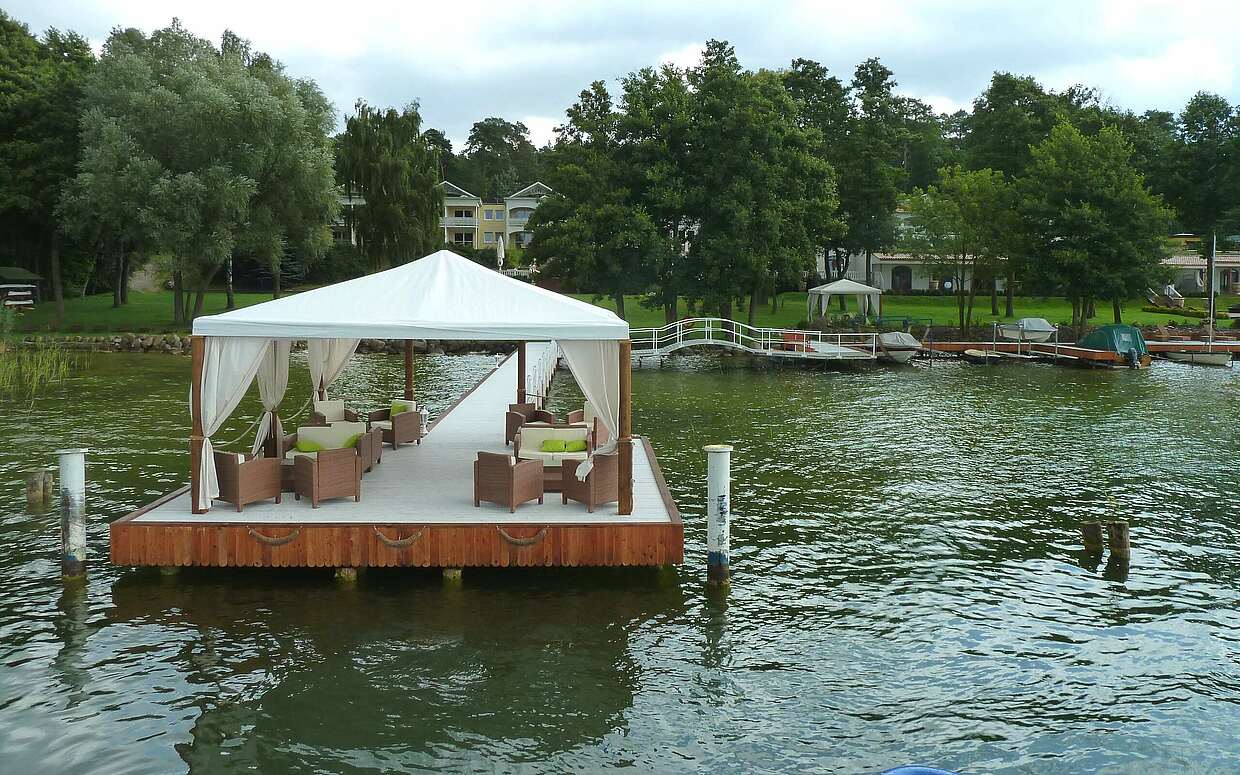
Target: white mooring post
[
  {"x": 72, "y": 512},
  {"x": 718, "y": 514}
]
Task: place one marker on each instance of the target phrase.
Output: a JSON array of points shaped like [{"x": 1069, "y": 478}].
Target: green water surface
[{"x": 908, "y": 587}]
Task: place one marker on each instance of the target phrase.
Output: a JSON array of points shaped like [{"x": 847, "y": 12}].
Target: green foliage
[
  {"x": 386, "y": 158},
  {"x": 25, "y": 371},
  {"x": 1094, "y": 230}
]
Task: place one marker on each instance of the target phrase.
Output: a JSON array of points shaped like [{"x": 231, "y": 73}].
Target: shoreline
[{"x": 179, "y": 344}]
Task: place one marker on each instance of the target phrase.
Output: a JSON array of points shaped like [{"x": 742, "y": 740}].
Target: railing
[
  {"x": 458, "y": 223},
  {"x": 539, "y": 370},
  {"x": 788, "y": 342}
]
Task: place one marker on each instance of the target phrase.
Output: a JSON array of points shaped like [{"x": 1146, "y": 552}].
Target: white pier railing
[
  {"x": 540, "y": 362},
  {"x": 774, "y": 342}
]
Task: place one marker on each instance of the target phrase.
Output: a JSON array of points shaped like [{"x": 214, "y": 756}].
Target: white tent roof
[
  {"x": 843, "y": 286},
  {"x": 441, "y": 296}
]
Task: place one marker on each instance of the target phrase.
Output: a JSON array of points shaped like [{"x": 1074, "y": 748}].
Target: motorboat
[
  {"x": 1126, "y": 341},
  {"x": 897, "y": 346},
  {"x": 1212, "y": 358},
  {"x": 1027, "y": 330}
]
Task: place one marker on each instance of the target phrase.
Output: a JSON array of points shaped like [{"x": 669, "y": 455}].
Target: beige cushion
[
  {"x": 292, "y": 454},
  {"x": 551, "y": 458},
  {"x": 331, "y": 436},
  {"x": 331, "y": 410},
  {"x": 381, "y": 424},
  {"x": 533, "y": 436}
]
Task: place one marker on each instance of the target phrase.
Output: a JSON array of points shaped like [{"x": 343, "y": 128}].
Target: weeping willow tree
[
  {"x": 27, "y": 371},
  {"x": 386, "y": 158}
]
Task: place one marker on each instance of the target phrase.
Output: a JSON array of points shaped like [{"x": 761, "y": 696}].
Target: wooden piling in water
[
  {"x": 1118, "y": 539},
  {"x": 35, "y": 500},
  {"x": 49, "y": 486},
  {"x": 1091, "y": 535}
]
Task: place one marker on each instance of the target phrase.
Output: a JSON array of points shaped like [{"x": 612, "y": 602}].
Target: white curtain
[
  {"x": 595, "y": 364},
  {"x": 228, "y": 368},
  {"x": 272, "y": 384},
  {"x": 327, "y": 358}
]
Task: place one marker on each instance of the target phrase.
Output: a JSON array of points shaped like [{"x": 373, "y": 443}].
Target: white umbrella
[{"x": 499, "y": 250}]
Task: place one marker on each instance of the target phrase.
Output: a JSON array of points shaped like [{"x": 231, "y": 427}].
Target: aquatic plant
[{"x": 26, "y": 371}]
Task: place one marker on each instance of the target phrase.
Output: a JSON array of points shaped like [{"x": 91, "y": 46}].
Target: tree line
[{"x": 719, "y": 186}]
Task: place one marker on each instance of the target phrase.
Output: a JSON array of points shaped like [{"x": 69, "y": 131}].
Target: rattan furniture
[
  {"x": 244, "y": 480},
  {"x": 516, "y": 416},
  {"x": 401, "y": 428},
  {"x": 602, "y": 484},
  {"x": 326, "y": 412},
  {"x": 501, "y": 479},
  {"x": 332, "y": 473}
]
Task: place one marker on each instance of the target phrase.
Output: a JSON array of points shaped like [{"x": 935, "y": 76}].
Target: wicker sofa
[{"x": 528, "y": 442}]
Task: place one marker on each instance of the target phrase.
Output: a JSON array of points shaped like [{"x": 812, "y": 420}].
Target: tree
[
  {"x": 386, "y": 158},
  {"x": 590, "y": 231},
  {"x": 40, "y": 96},
  {"x": 1095, "y": 229},
  {"x": 502, "y": 156},
  {"x": 759, "y": 196},
  {"x": 959, "y": 225}
]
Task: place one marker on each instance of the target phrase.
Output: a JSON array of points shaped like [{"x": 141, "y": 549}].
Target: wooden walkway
[
  {"x": 420, "y": 486},
  {"x": 785, "y": 343}
]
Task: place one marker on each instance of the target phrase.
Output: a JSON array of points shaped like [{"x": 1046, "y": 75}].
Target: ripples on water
[{"x": 908, "y": 586}]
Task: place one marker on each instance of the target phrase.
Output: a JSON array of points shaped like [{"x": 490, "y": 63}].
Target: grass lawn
[
  {"x": 152, "y": 312},
  {"x": 145, "y": 313},
  {"x": 940, "y": 309}
]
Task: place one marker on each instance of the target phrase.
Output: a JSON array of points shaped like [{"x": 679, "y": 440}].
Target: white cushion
[
  {"x": 533, "y": 436},
  {"x": 331, "y": 436},
  {"x": 551, "y": 458},
  {"x": 293, "y": 454},
  {"x": 331, "y": 410},
  {"x": 381, "y": 424}
]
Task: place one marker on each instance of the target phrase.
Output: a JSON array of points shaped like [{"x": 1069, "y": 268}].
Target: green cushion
[
  {"x": 552, "y": 445},
  {"x": 306, "y": 445},
  {"x": 578, "y": 445},
  {"x": 401, "y": 406},
  {"x": 352, "y": 440}
]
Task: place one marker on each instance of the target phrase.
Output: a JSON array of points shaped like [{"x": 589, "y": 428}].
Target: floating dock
[
  {"x": 417, "y": 510},
  {"x": 1068, "y": 352}
]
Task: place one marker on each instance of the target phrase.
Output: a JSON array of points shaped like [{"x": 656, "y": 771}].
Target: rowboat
[
  {"x": 1200, "y": 359},
  {"x": 982, "y": 356}
]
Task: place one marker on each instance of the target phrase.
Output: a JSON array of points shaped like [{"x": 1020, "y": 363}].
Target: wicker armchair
[
  {"x": 516, "y": 416},
  {"x": 326, "y": 412},
  {"x": 244, "y": 480},
  {"x": 401, "y": 428},
  {"x": 576, "y": 416},
  {"x": 332, "y": 473},
  {"x": 501, "y": 479},
  {"x": 602, "y": 484},
  {"x": 367, "y": 448}
]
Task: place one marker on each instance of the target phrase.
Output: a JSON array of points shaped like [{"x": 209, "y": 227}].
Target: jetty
[
  {"x": 784, "y": 343},
  {"x": 416, "y": 504}
]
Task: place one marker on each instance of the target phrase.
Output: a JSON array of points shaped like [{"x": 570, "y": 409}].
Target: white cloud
[
  {"x": 684, "y": 57},
  {"x": 542, "y": 128}
]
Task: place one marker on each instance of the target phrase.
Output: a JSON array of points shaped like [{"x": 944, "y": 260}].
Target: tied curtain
[
  {"x": 272, "y": 384},
  {"x": 595, "y": 364},
  {"x": 326, "y": 358},
  {"x": 228, "y": 368}
]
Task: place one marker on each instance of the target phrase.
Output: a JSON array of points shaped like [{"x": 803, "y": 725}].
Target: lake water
[{"x": 907, "y": 587}]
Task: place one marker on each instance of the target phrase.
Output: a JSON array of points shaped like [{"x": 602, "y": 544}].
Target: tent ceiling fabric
[{"x": 441, "y": 296}]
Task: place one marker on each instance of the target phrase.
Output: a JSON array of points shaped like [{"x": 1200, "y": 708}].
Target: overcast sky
[{"x": 527, "y": 59}]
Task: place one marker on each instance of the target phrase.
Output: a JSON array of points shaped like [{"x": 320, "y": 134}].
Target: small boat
[
  {"x": 897, "y": 346},
  {"x": 1027, "y": 330},
  {"x": 1200, "y": 359},
  {"x": 982, "y": 356},
  {"x": 1127, "y": 341}
]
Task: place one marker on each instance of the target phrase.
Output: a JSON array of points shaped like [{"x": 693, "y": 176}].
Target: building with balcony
[{"x": 480, "y": 223}]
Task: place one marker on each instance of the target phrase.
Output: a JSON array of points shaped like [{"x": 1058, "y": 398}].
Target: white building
[{"x": 479, "y": 223}]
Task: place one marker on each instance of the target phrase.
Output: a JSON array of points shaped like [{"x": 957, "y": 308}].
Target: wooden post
[
  {"x": 346, "y": 575},
  {"x": 1117, "y": 537},
  {"x": 1091, "y": 534},
  {"x": 198, "y": 351},
  {"x": 49, "y": 486},
  {"x": 520, "y": 372},
  {"x": 408, "y": 369},
  {"x": 35, "y": 502},
  {"x": 625, "y": 505}
]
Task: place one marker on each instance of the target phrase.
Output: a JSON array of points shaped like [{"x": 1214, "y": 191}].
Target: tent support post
[
  {"x": 625, "y": 500},
  {"x": 198, "y": 351},
  {"x": 408, "y": 369},
  {"x": 520, "y": 372}
]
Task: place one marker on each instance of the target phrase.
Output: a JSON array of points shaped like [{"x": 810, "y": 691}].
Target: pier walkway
[{"x": 772, "y": 342}]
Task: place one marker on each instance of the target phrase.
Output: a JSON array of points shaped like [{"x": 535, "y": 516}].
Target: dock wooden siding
[{"x": 359, "y": 546}]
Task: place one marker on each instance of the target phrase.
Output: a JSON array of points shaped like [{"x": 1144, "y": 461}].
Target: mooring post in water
[
  {"x": 1117, "y": 537},
  {"x": 72, "y": 512},
  {"x": 1091, "y": 533},
  {"x": 346, "y": 575},
  {"x": 49, "y": 485},
  {"x": 35, "y": 500},
  {"x": 718, "y": 514}
]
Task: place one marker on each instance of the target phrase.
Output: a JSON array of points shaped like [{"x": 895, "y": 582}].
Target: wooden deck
[{"x": 417, "y": 510}]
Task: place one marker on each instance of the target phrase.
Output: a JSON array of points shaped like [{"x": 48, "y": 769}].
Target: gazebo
[
  {"x": 869, "y": 298},
  {"x": 443, "y": 296}
]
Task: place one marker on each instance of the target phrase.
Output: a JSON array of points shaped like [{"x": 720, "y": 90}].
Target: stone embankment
[{"x": 178, "y": 344}]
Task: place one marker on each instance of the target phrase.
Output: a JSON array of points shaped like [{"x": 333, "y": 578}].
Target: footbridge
[{"x": 772, "y": 342}]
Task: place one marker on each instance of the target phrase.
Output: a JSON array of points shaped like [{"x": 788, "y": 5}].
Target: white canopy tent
[
  {"x": 441, "y": 296},
  {"x": 869, "y": 298}
]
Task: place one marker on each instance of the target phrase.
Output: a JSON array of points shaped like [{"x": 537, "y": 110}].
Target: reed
[{"x": 26, "y": 371}]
